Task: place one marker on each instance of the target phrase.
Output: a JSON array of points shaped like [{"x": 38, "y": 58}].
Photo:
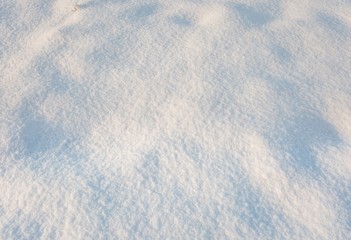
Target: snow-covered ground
[{"x": 175, "y": 119}]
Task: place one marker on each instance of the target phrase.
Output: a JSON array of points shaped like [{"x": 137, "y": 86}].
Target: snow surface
[{"x": 175, "y": 119}]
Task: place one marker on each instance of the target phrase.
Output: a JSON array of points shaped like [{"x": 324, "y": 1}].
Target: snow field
[{"x": 175, "y": 119}]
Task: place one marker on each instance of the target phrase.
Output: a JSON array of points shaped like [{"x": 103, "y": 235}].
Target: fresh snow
[{"x": 175, "y": 119}]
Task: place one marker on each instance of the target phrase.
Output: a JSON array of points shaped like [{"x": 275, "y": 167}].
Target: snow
[{"x": 175, "y": 119}]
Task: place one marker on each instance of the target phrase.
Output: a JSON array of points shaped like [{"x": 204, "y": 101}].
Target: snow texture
[{"x": 175, "y": 119}]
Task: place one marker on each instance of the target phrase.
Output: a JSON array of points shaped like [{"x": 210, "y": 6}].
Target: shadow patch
[
  {"x": 143, "y": 12},
  {"x": 37, "y": 135},
  {"x": 21, "y": 227},
  {"x": 281, "y": 53},
  {"x": 251, "y": 17},
  {"x": 97, "y": 3},
  {"x": 304, "y": 134},
  {"x": 333, "y": 24},
  {"x": 180, "y": 20}
]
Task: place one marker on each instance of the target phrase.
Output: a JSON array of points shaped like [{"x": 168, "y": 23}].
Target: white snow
[{"x": 175, "y": 119}]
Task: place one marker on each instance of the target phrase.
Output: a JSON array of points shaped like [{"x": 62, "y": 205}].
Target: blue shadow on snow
[{"x": 250, "y": 16}]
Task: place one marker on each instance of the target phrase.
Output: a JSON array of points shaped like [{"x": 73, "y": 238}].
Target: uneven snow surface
[{"x": 175, "y": 119}]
